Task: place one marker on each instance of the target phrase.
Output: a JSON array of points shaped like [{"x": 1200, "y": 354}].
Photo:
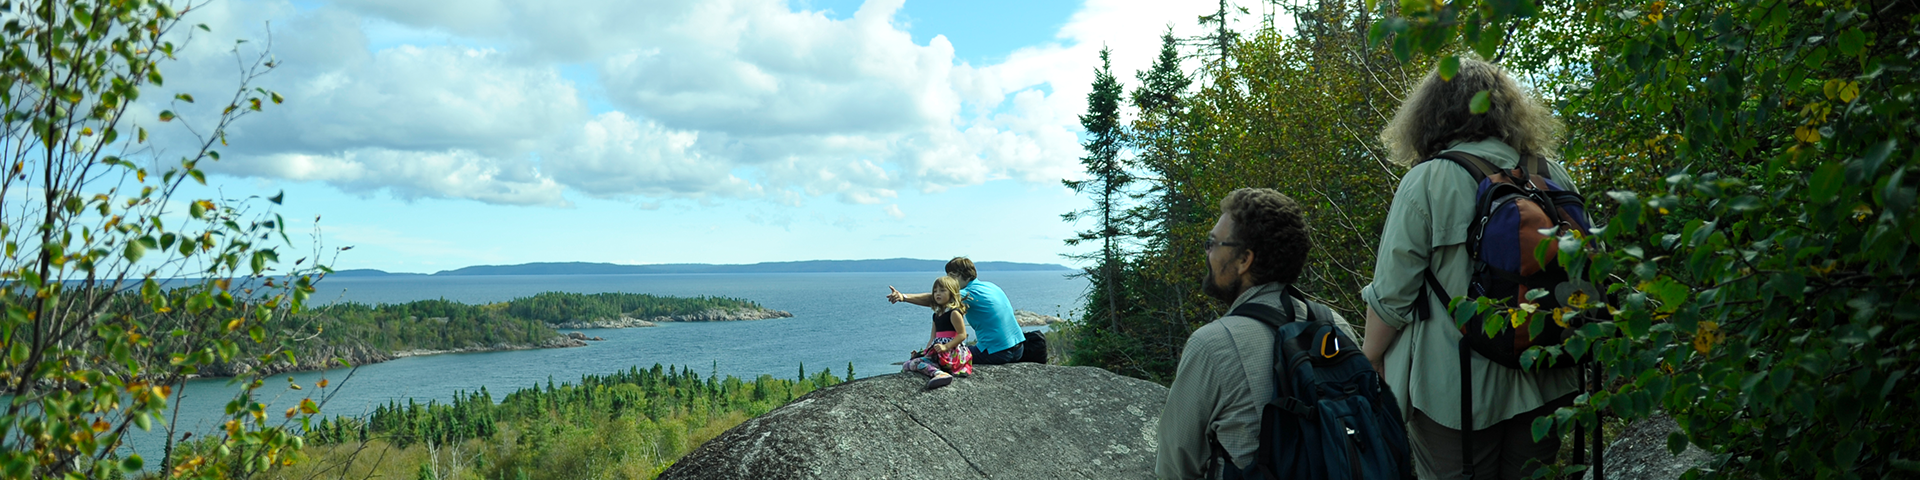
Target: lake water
[{"x": 838, "y": 318}]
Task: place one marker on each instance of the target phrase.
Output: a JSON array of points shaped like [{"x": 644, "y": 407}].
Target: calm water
[{"x": 838, "y": 318}]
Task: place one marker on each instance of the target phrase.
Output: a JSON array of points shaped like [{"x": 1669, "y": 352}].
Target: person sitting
[
  {"x": 944, "y": 356},
  {"x": 987, "y": 310}
]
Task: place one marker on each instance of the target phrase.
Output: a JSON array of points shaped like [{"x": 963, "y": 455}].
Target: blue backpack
[{"x": 1331, "y": 417}]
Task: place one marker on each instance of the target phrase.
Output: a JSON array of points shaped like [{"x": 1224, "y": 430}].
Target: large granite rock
[
  {"x": 1015, "y": 421},
  {"x": 1640, "y": 453}
]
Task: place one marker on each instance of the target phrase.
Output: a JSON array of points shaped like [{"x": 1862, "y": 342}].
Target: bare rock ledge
[{"x": 1006, "y": 421}]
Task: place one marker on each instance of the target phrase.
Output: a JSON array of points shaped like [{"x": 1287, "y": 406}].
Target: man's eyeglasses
[{"x": 1216, "y": 243}]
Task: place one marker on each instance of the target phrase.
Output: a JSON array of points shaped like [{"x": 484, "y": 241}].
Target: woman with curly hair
[{"x": 1410, "y": 337}]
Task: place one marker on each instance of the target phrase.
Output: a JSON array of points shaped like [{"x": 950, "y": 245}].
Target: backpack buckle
[{"x": 1294, "y": 406}]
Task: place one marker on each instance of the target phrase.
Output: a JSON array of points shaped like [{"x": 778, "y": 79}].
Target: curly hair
[
  {"x": 1271, "y": 225},
  {"x": 1438, "y": 112}
]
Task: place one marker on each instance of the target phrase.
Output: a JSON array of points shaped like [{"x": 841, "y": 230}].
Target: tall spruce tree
[
  {"x": 1108, "y": 181},
  {"x": 1154, "y": 134}
]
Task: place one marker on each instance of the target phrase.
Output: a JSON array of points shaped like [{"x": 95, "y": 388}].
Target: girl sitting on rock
[{"x": 945, "y": 355}]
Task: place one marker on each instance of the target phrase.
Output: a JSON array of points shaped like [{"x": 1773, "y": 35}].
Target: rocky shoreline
[
  {"x": 1030, "y": 319},
  {"x": 708, "y": 315},
  {"x": 360, "y": 355}
]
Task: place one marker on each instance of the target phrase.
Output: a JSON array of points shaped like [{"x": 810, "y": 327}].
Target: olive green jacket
[
  {"x": 1427, "y": 228},
  {"x": 1224, "y": 378}
]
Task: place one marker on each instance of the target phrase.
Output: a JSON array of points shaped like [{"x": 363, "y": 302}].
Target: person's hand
[
  {"x": 894, "y": 295},
  {"x": 941, "y": 347}
]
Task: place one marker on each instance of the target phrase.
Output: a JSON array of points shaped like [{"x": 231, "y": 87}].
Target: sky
[{"x": 434, "y": 135}]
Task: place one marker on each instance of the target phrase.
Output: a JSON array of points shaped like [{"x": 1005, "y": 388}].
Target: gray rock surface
[
  {"x": 1030, "y": 319},
  {"x": 1640, "y": 453},
  {"x": 622, "y": 322},
  {"x": 725, "y": 315},
  {"x": 1020, "y": 421}
]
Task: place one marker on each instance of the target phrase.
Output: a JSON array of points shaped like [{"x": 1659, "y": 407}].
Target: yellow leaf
[
  {"x": 308, "y": 407},
  {"x": 1519, "y": 317},
  {"x": 322, "y": 383},
  {"x": 1849, "y": 92},
  {"x": 1707, "y": 335},
  {"x": 235, "y": 324},
  {"x": 1806, "y": 134},
  {"x": 290, "y": 411},
  {"x": 1578, "y": 300}
]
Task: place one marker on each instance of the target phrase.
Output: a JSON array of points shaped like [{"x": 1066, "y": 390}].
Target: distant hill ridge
[{"x": 807, "y": 266}]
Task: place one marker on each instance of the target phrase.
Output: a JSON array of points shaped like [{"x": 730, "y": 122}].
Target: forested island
[{"x": 360, "y": 333}]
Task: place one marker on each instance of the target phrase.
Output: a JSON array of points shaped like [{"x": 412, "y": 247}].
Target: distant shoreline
[{"x": 892, "y": 265}]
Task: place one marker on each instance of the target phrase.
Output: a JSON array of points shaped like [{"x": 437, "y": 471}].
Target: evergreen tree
[{"x": 1108, "y": 181}]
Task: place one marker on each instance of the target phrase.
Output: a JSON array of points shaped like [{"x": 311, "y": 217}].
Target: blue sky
[{"x": 435, "y": 135}]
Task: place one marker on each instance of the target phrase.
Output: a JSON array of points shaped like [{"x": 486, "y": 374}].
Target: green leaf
[
  {"x": 166, "y": 115},
  {"x": 1792, "y": 285},
  {"x": 133, "y": 463},
  {"x": 1482, "y": 101},
  {"x": 184, "y": 98},
  {"x": 1541, "y": 427},
  {"x": 196, "y": 210},
  {"x": 1449, "y": 66},
  {"x": 1669, "y": 293},
  {"x": 1851, "y": 41},
  {"x": 1826, "y": 181},
  {"x": 1676, "y": 443},
  {"x": 134, "y": 251},
  {"x": 276, "y": 198},
  {"x": 1744, "y": 203}
]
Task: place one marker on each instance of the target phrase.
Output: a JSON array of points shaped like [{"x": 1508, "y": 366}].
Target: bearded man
[{"x": 1211, "y": 422}]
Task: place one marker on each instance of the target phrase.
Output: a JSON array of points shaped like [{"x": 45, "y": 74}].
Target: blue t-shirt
[{"x": 991, "y": 316}]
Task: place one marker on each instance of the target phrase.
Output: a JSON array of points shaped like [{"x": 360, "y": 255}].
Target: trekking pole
[{"x": 1599, "y": 467}]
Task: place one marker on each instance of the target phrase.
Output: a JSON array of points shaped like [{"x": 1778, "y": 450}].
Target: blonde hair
[
  {"x": 952, "y": 286},
  {"x": 1438, "y": 112}
]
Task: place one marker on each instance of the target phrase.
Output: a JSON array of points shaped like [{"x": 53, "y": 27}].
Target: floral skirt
[{"x": 957, "y": 360}]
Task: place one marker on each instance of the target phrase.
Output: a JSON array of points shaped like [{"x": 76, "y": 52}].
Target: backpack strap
[
  {"x": 1466, "y": 376},
  {"x": 1477, "y": 167},
  {"x": 1274, "y": 318},
  {"x": 1283, "y": 400}
]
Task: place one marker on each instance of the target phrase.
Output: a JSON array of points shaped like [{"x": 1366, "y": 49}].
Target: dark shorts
[{"x": 1002, "y": 357}]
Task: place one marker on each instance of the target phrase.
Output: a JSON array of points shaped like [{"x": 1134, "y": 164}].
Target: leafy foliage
[
  {"x": 1761, "y": 253},
  {"x": 91, "y": 214}
]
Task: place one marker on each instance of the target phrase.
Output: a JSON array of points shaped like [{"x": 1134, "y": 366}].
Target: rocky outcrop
[
  {"x": 725, "y": 315},
  {"x": 1022, "y": 421},
  {"x": 1030, "y": 319},
  {"x": 708, "y": 315},
  {"x": 622, "y": 322},
  {"x": 1640, "y": 452},
  {"x": 323, "y": 358}
]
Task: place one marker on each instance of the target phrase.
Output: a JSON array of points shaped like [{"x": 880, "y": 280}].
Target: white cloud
[{"x": 708, "y": 99}]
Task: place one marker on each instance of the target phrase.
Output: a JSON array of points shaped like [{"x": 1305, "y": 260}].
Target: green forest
[
  {"x": 1751, "y": 164},
  {"x": 630, "y": 424}
]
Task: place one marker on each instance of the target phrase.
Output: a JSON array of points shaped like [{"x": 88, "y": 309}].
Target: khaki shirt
[
  {"x": 1225, "y": 376},
  {"x": 1427, "y": 228}
]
